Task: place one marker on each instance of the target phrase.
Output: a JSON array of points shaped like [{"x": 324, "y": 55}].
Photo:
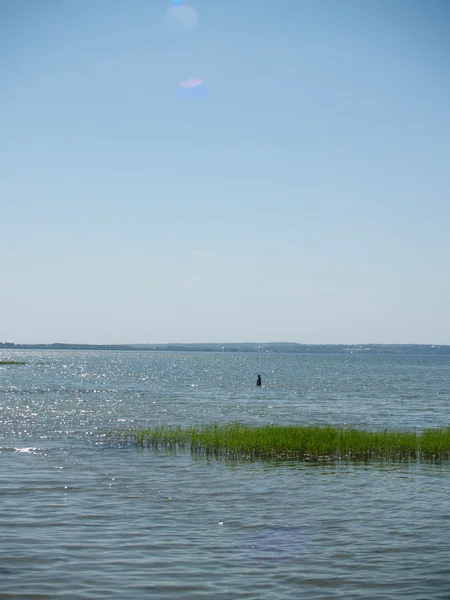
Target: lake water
[{"x": 81, "y": 518}]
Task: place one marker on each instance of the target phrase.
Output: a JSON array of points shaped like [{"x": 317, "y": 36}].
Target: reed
[
  {"x": 238, "y": 441},
  {"x": 12, "y": 362}
]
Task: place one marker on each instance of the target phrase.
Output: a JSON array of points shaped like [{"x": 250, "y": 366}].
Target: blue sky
[{"x": 300, "y": 194}]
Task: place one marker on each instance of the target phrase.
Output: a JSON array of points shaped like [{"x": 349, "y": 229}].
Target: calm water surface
[{"x": 82, "y": 519}]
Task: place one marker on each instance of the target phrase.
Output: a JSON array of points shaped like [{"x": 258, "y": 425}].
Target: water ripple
[{"x": 81, "y": 519}]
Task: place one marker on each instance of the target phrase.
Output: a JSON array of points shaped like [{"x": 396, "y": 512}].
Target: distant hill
[{"x": 278, "y": 347}]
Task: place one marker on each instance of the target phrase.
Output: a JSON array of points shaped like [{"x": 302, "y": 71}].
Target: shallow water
[{"x": 83, "y": 519}]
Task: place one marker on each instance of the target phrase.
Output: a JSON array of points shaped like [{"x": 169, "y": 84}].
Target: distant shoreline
[{"x": 271, "y": 347}]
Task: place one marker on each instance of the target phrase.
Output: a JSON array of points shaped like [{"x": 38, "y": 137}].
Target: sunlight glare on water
[{"x": 108, "y": 521}]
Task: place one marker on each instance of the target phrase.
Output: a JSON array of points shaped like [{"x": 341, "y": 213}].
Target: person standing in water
[{"x": 258, "y": 381}]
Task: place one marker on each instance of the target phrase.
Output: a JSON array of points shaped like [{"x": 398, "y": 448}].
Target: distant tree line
[{"x": 275, "y": 347}]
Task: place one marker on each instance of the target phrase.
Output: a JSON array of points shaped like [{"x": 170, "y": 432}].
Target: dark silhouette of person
[{"x": 258, "y": 381}]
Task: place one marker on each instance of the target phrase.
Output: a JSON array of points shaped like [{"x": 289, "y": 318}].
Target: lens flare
[
  {"x": 192, "y": 88},
  {"x": 180, "y": 17},
  {"x": 191, "y": 83}
]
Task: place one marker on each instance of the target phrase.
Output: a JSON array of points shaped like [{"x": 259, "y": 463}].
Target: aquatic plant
[
  {"x": 237, "y": 440},
  {"x": 12, "y": 362}
]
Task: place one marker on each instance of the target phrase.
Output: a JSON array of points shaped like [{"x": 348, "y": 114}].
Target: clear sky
[{"x": 300, "y": 193}]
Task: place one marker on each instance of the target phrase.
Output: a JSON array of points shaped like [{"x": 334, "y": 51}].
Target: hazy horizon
[
  {"x": 250, "y": 343},
  {"x": 225, "y": 171}
]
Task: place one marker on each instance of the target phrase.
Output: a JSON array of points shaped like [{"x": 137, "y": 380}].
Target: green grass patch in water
[
  {"x": 237, "y": 441},
  {"x": 12, "y": 362}
]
